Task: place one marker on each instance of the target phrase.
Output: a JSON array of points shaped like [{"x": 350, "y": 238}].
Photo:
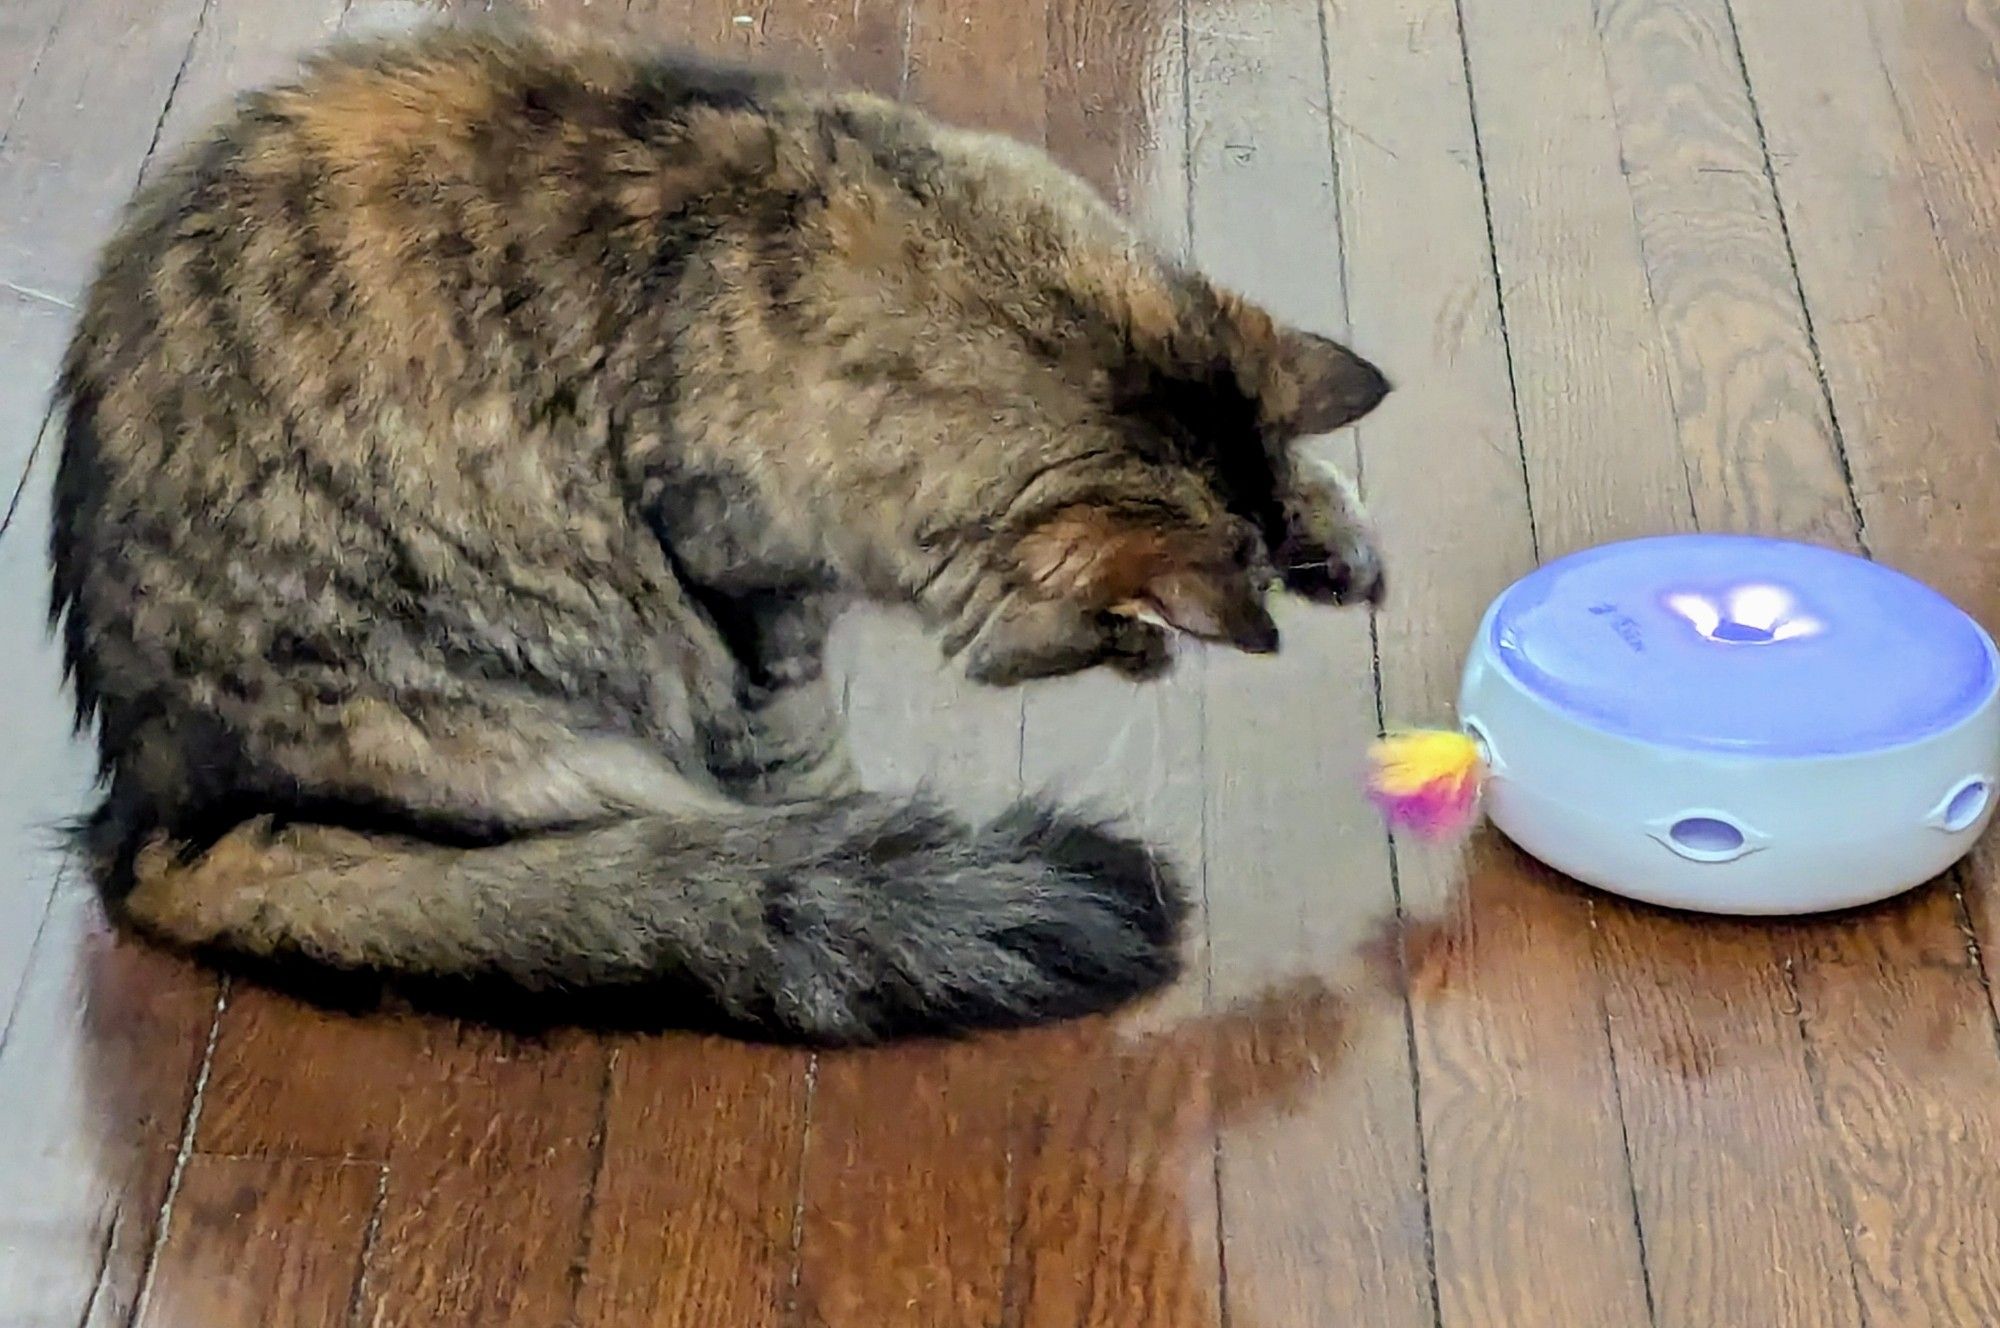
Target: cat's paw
[
  {"x": 1329, "y": 554},
  {"x": 1137, "y": 650}
]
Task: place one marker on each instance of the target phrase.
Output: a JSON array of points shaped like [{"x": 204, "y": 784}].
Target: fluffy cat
[{"x": 468, "y": 446}]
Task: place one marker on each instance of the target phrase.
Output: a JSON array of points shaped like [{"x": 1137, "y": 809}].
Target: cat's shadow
[{"x": 1108, "y": 1139}]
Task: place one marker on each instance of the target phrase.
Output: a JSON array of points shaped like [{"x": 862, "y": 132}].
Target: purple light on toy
[{"x": 1727, "y": 643}]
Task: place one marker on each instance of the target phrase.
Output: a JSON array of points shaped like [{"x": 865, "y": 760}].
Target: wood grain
[
  {"x": 1532, "y": 1211},
  {"x": 1324, "y": 1207},
  {"x": 1703, "y": 1017},
  {"x": 1512, "y": 1076},
  {"x": 982, "y": 64},
  {"x": 850, "y": 43},
  {"x": 25, "y": 32},
  {"x": 66, "y": 175},
  {"x": 289, "y": 1080},
  {"x": 492, "y": 1170},
  {"x": 1893, "y": 1006},
  {"x": 101, "y": 1062},
  {"x": 1115, "y": 1169},
  {"x": 1911, "y": 1092},
  {"x": 1117, "y": 103},
  {"x": 696, "y": 1202},
  {"x": 1115, "y": 1125},
  {"x": 257, "y": 1242},
  {"x": 1938, "y": 64},
  {"x": 102, "y": 1045},
  {"x": 1753, "y": 421},
  {"x": 907, "y": 1200}
]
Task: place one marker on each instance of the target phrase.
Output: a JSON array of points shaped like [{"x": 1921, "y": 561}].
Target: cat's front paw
[
  {"x": 1329, "y": 554},
  {"x": 1137, "y": 650},
  {"x": 1348, "y": 572}
]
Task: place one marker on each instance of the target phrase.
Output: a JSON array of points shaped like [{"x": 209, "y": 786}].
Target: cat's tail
[{"x": 843, "y": 921}]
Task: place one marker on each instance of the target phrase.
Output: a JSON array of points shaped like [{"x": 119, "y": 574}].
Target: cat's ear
[
  {"x": 1312, "y": 385},
  {"x": 1303, "y": 383},
  {"x": 1185, "y": 326},
  {"x": 1115, "y": 562}
]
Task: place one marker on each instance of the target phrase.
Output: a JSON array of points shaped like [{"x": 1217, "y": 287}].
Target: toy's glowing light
[{"x": 1749, "y": 615}]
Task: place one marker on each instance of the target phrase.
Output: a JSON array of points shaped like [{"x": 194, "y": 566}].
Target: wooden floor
[{"x": 1639, "y": 265}]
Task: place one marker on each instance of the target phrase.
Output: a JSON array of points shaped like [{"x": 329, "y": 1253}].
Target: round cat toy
[{"x": 1719, "y": 723}]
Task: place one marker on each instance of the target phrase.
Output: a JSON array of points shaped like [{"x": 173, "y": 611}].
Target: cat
[{"x": 468, "y": 445}]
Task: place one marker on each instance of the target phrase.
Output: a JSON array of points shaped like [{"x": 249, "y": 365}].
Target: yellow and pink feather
[{"x": 1427, "y": 781}]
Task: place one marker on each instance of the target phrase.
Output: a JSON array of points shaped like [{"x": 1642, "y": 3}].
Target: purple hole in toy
[
  {"x": 1706, "y": 834},
  {"x": 1738, "y": 644},
  {"x": 1965, "y": 806}
]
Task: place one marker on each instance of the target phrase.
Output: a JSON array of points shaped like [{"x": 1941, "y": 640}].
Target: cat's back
[{"x": 380, "y": 197}]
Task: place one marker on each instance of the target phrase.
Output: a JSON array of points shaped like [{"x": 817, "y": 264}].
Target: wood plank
[
  {"x": 26, "y": 28},
  {"x": 492, "y": 1171},
  {"x": 1512, "y": 1075},
  {"x": 97, "y": 1073},
  {"x": 1936, "y": 65},
  {"x": 45, "y": 772},
  {"x": 1532, "y": 1211},
  {"x": 1918, "y": 405},
  {"x": 1115, "y": 1163},
  {"x": 697, "y": 1198},
  {"x": 242, "y": 44},
  {"x": 982, "y": 64},
  {"x": 1753, "y": 419},
  {"x": 849, "y": 43},
  {"x": 383, "y": 18},
  {"x": 583, "y": 18},
  {"x": 289, "y": 1080},
  {"x": 1686, "y": 1001},
  {"x": 1894, "y": 1008},
  {"x": 263, "y": 1242},
  {"x": 1324, "y": 1204},
  {"x": 1114, "y": 1122},
  {"x": 1910, "y": 1088},
  {"x": 103, "y": 1043},
  {"x": 64, "y": 174},
  {"x": 1117, "y": 102},
  {"x": 725, "y": 28},
  {"x": 907, "y": 1199},
  {"x": 1599, "y": 436},
  {"x": 905, "y": 1210},
  {"x": 1939, "y": 63}
]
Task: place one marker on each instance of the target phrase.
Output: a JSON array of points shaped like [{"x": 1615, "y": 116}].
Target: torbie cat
[{"x": 469, "y": 445}]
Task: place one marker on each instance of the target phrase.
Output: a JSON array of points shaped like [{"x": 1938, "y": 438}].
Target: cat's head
[{"x": 1211, "y": 396}]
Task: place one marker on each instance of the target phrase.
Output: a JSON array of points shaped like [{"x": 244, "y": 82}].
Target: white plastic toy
[{"x": 1719, "y": 723}]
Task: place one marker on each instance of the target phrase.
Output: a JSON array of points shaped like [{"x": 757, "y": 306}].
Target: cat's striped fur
[{"x": 468, "y": 446}]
